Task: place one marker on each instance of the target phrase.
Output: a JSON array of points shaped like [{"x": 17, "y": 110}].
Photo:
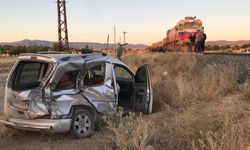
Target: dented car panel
[
  {"x": 62, "y": 105},
  {"x": 103, "y": 96},
  {"x": 43, "y": 92},
  {"x": 27, "y": 103}
]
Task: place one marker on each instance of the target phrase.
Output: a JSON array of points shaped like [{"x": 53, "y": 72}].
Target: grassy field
[{"x": 200, "y": 102}]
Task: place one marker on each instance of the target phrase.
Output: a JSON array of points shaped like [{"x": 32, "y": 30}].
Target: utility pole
[
  {"x": 124, "y": 36},
  {"x": 63, "y": 41},
  {"x": 107, "y": 45},
  {"x": 114, "y": 38}
]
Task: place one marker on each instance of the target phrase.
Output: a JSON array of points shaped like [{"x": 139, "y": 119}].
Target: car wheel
[{"x": 82, "y": 124}]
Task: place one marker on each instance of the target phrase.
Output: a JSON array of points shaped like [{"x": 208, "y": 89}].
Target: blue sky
[{"x": 146, "y": 21}]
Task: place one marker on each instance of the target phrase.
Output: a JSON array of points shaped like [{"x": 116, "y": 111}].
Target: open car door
[{"x": 143, "y": 90}]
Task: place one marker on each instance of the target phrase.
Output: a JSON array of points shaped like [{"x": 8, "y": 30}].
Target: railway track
[{"x": 227, "y": 54}]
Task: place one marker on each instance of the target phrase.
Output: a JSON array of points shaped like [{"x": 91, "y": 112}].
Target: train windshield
[{"x": 189, "y": 25}]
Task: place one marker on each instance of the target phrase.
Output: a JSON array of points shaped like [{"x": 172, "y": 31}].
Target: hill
[
  {"x": 27, "y": 42},
  {"x": 230, "y": 43}
]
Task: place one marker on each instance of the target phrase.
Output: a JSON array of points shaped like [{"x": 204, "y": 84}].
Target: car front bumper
[{"x": 49, "y": 125}]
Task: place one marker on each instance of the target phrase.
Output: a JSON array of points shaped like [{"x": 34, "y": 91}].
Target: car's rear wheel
[{"x": 82, "y": 124}]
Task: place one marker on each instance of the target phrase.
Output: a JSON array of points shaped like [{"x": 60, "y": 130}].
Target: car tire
[{"x": 82, "y": 124}]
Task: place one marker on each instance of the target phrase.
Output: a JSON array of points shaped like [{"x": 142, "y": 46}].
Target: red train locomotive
[{"x": 177, "y": 38}]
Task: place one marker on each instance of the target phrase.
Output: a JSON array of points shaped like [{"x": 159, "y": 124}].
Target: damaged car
[{"x": 66, "y": 93}]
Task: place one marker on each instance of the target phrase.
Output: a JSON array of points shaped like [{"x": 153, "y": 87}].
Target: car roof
[{"x": 59, "y": 58}]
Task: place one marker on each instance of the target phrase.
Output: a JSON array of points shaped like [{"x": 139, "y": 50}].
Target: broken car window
[
  {"x": 68, "y": 80},
  {"x": 29, "y": 74},
  {"x": 94, "y": 75}
]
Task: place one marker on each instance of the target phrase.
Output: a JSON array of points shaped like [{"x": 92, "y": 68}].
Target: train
[{"x": 177, "y": 38}]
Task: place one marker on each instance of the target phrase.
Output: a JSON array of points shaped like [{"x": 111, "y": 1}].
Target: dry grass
[
  {"x": 198, "y": 103},
  {"x": 6, "y": 133},
  {"x": 246, "y": 92},
  {"x": 234, "y": 133},
  {"x": 6, "y": 63},
  {"x": 130, "y": 132},
  {"x": 212, "y": 82},
  {"x": 182, "y": 79}
]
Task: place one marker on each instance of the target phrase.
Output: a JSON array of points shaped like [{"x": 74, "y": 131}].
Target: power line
[
  {"x": 96, "y": 15},
  {"x": 98, "y": 12}
]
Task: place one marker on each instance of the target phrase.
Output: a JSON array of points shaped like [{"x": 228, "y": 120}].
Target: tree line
[
  {"x": 227, "y": 47},
  {"x": 16, "y": 50}
]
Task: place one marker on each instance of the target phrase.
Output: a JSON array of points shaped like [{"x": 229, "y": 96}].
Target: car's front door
[
  {"x": 143, "y": 90},
  {"x": 99, "y": 86}
]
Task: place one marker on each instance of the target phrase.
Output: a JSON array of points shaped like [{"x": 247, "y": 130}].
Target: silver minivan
[{"x": 66, "y": 93}]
